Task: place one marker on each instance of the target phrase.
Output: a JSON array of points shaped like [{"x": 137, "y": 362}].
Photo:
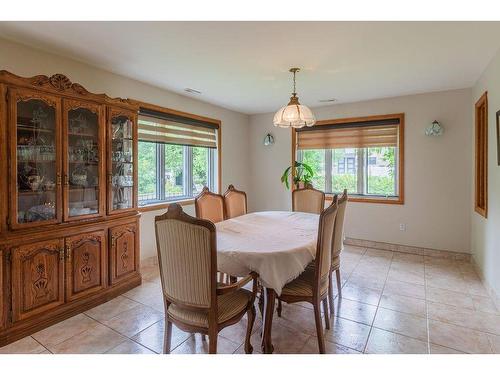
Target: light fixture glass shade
[{"x": 294, "y": 115}]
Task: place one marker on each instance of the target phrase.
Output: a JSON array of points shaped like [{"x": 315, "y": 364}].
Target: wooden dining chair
[
  {"x": 235, "y": 201},
  {"x": 312, "y": 285},
  {"x": 209, "y": 206},
  {"x": 308, "y": 199},
  {"x": 338, "y": 246},
  {"x": 187, "y": 256}
]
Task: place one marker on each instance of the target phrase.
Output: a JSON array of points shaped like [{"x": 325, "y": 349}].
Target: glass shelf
[
  {"x": 36, "y": 161},
  {"x": 83, "y": 162},
  {"x": 122, "y": 163}
]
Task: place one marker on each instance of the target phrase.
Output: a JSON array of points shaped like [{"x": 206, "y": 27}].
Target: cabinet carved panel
[
  {"x": 37, "y": 278},
  {"x": 85, "y": 264},
  {"x": 124, "y": 255}
]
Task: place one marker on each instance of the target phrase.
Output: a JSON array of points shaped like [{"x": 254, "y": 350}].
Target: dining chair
[
  {"x": 338, "y": 246},
  {"x": 235, "y": 201},
  {"x": 187, "y": 255},
  {"x": 308, "y": 199},
  {"x": 209, "y": 206},
  {"x": 312, "y": 284}
]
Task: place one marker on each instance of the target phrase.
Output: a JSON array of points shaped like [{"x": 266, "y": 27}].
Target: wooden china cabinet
[{"x": 69, "y": 227}]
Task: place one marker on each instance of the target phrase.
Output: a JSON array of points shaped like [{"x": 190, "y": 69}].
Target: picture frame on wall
[{"x": 498, "y": 137}]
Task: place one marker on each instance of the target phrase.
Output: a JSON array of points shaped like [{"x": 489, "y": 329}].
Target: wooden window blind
[
  {"x": 166, "y": 128},
  {"x": 481, "y": 153},
  {"x": 378, "y": 133}
]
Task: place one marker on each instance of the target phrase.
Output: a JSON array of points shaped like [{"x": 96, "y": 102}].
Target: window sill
[
  {"x": 164, "y": 205},
  {"x": 378, "y": 200}
]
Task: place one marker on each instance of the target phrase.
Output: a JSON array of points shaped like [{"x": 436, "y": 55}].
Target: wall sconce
[
  {"x": 434, "y": 130},
  {"x": 268, "y": 140}
]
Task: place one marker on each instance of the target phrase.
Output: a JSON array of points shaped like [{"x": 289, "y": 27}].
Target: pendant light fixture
[{"x": 294, "y": 114}]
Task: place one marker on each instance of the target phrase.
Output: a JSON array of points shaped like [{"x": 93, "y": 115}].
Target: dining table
[{"x": 277, "y": 245}]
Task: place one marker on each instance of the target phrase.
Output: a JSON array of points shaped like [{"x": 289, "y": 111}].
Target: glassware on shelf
[
  {"x": 36, "y": 161},
  {"x": 83, "y": 162},
  {"x": 122, "y": 157}
]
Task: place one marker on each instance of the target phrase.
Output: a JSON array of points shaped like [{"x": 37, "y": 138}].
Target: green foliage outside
[
  {"x": 147, "y": 168},
  {"x": 376, "y": 185},
  {"x": 174, "y": 165}
]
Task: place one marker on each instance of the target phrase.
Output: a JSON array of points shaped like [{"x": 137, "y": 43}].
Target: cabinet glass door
[
  {"x": 122, "y": 154},
  {"x": 35, "y": 123},
  {"x": 82, "y": 159}
]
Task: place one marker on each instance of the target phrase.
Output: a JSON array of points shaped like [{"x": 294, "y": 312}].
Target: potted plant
[{"x": 300, "y": 174}]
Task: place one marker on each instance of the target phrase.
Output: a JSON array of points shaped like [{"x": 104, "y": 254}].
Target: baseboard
[
  {"x": 493, "y": 295},
  {"x": 150, "y": 261},
  {"x": 408, "y": 249}
]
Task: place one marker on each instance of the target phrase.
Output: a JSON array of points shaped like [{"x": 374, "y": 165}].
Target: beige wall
[
  {"x": 485, "y": 243},
  {"x": 437, "y": 171},
  {"x": 26, "y": 61}
]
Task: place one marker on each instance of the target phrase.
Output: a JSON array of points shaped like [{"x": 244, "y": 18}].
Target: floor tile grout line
[
  {"x": 135, "y": 342},
  {"x": 121, "y": 334},
  {"x": 376, "y": 311},
  {"x": 427, "y": 312},
  {"x": 42, "y": 344}
]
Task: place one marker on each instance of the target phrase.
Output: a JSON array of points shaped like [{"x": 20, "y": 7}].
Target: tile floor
[{"x": 391, "y": 303}]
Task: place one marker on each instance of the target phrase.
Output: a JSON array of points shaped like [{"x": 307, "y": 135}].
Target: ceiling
[{"x": 244, "y": 66}]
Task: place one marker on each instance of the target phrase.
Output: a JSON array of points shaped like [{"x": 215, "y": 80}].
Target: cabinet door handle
[
  {"x": 61, "y": 254},
  {"x": 68, "y": 252},
  {"x": 66, "y": 180},
  {"x": 58, "y": 179},
  {"x": 110, "y": 178}
]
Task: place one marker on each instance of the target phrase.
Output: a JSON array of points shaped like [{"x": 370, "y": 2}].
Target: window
[
  {"x": 177, "y": 157},
  {"x": 362, "y": 155},
  {"x": 481, "y": 162}
]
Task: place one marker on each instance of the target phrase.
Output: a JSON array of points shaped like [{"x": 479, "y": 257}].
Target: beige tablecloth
[{"x": 277, "y": 245}]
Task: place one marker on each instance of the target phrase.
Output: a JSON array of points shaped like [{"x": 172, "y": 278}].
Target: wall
[
  {"x": 485, "y": 243},
  {"x": 437, "y": 171},
  {"x": 26, "y": 61}
]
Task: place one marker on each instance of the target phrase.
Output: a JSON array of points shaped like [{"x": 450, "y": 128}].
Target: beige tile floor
[{"x": 391, "y": 303}]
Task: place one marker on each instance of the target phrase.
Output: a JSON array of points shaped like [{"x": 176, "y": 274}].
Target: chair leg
[
  {"x": 325, "y": 310},
  {"x": 167, "y": 337},
  {"x": 330, "y": 294},
  {"x": 319, "y": 327},
  {"x": 261, "y": 303},
  {"x": 280, "y": 307},
  {"x": 212, "y": 342},
  {"x": 339, "y": 285},
  {"x": 251, "y": 319}
]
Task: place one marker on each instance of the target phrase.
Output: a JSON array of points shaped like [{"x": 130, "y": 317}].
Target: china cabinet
[{"x": 69, "y": 227}]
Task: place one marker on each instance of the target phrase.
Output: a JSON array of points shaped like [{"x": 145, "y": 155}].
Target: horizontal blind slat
[
  {"x": 369, "y": 136},
  {"x": 165, "y": 131}
]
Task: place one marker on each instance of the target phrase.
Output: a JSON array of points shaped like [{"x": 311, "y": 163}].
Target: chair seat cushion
[
  {"x": 302, "y": 286},
  {"x": 229, "y": 305}
]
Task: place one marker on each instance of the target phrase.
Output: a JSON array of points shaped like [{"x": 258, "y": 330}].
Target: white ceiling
[{"x": 244, "y": 65}]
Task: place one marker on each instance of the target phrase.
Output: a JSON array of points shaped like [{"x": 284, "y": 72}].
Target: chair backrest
[
  {"x": 309, "y": 200},
  {"x": 236, "y": 202},
  {"x": 325, "y": 242},
  {"x": 338, "y": 242},
  {"x": 187, "y": 257},
  {"x": 209, "y": 206}
]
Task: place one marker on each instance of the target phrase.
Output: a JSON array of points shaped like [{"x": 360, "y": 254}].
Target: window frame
[
  {"x": 399, "y": 156},
  {"x": 184, "y": 201},
  {"x": 481, "y": 156}
]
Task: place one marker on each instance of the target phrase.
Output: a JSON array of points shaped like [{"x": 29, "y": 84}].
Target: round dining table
[{"x": 277, "y": 245}]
